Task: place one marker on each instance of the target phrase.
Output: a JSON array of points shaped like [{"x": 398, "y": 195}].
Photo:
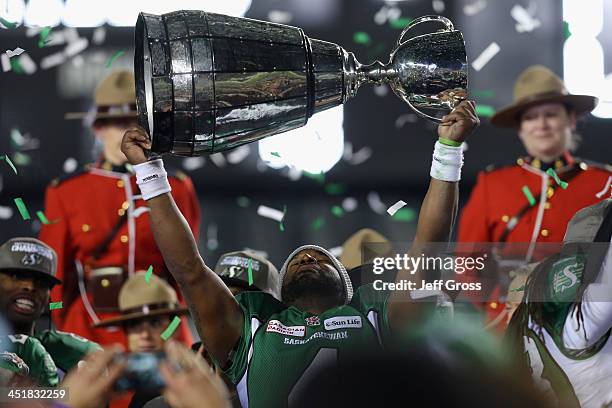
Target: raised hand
[
  {"x": 134, "y": 144},
  {"x": 458, "y": 124}
]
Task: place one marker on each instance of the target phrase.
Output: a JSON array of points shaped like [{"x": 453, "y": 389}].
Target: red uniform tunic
[
  {"x": 83, "y": 209},
  {"x": 498, "y": 197}
]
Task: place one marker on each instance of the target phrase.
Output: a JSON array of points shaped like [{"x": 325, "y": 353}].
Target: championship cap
[
  {"x": 233, "y": 268},
  {"x": 29, "y": 254}
]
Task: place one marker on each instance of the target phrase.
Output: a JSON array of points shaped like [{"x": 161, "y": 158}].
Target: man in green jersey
[
  {"x": 266, "y": 346},
  {"x": 27, "y": 274}
]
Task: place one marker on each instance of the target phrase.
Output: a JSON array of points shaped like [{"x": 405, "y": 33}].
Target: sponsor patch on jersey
[
  {"x": 277, "y": 327},
  {"x": 342, "y": 322},
  {"x": 566, "y": 275},
  {"x": 313, "y": 321}
]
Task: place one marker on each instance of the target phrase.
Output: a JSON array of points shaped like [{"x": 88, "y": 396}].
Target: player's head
[
  {"x": 233, "y": 269},
  {"x": 147, "y": 308},
  {"x": 27, "y": 274},
  {"x": 543, "y": 112},
  {"x": 312, "y": 272}
]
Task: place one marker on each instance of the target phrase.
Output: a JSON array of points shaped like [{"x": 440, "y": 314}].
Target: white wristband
[
  {"x": 152, "y": 179},
  {"x": 447, "y": 162}
]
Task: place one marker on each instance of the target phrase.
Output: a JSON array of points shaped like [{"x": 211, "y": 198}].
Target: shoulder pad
[
  {"x": 584, "y": 164},
  {"x": 65, "y": 177}
]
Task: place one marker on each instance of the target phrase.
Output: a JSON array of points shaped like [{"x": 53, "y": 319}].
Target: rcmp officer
[
  {"x": 99, "y": 223},
  {"x": 544, "y": 115}
]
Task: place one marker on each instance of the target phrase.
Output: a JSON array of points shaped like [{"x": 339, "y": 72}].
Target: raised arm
[
  {"x": 217, "y": 315},
  {"x": 437, "y": 215}
]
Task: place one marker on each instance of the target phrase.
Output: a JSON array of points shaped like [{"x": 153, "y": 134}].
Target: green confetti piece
[
  {"x": 171, "y": 328},
  {"x": 319, "y": 178},
  {"x": 522, "y": 288},
  {"x": 7, "y": 23},
  {"x": 250, "y": 271},
  {"x": 42, "y": 218},
  {"x": 337, "y": 211},
  {"x": 243, "y": 201},
  {"x": 16, "y": 66},
  {"x": 400, "y": 23},
  {"x": 361, "y": 37},
  {"x": 23, "y": 210},
  {"x": 281, "y": 225},
  {"x": 405, "y": 214},
  {"x": 317, "y": 224},
  {"x": 335, "y": 188},
  {"x": 566, "y": 31},
  {"x": 114, "y": 58},
  {"x": 149, "y": 273},
  {"x": 55, "y": 305},
  {"x": 562, "y": 184},
  {"x": 529, "y": 196},
  {"x": 44, "y": 35},
  {"x": 22, "y": 159},
  {"x": 275, "y": 154},
  {"x": 485, "y": 111},
  {"x": 9, "y": 162},
  {"x": 483, "y": 94}
]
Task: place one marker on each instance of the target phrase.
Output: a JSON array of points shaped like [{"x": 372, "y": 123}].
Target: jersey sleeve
[
  {"x": 373, "y": 304},
  {"x": 66, "y": 349},
  {"x": 41, "y": 366},
  {"x": 257, "y": 307}
]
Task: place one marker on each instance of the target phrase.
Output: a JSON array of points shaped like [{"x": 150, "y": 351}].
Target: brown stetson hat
[
  {"x": 353, "y": 253},
  {"x": 538, "y": 84},
  {"x": 115, "y": 97},
  {"x": 141, "y": 299}
]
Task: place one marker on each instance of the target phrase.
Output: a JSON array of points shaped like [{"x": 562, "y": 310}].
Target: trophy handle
[
  {"x": 422, "y": 114},
  {"x": 425, "y": 19}
]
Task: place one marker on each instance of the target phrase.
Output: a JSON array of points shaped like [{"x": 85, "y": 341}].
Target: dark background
[{"x": 398, "y": 168}]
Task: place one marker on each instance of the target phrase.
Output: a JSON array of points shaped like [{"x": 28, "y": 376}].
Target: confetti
[
  {"x": 381, "y": 90},
  {"x": 336, "y": 251},
  {"x": 400, "y": 23},
  {"x": 8, "y": 24},
  {"x": 43, "y": 40},
  {"x": 605, "y": 189},
  {"x": 393, "y": 209},
  {"x": 335, "y": 188},
  {"x": 99, "y": 35},
  {"x": 17, "y": 51},
  {"x": 6, "y": 213},
  {"x": 317, "y": 224},
  {"x": 281, "y": 226},
  {"x": 375, "y": 203},
  {"x": 16, "y": 66},
  {"x": 387, "y": 13},
  {"x": 218, "y": 159},
  {"x": 566, "y": 31},
  {"x": 485, "y": 111},
  {"x": 250, "y": 271},
  {"x": 243, "y": 201},
  {"x": 52, "y": 60},
  {"x": 281, "y": 17},
  {"x": 349, "y": 204},
  {"x": 9, "y": 162},
  {"x": 562, "y": 184},
  {"x": 361, "y": 37},
  {"x": 483, "y": 94},
  {"x": 522, "y": 288},
  {"x": 361, "y": 156},
  {"x": 529, "y": 196},
  {"x": 275, "y": 154},
  {"x": 22, "y": 159},
  {"x": 148, "y": 274},
  {"x": 6, "y": 62},
  {"x": 438, "y": 6},
  {"x": 70, "y": 165},
  {"x": 485, "y": 56},
  {"x": 474, "y": 8},
  {"x": 193, "y": 163},
  {"x": 171, "y": 328},
  {"x": 271, "y": 213},
  {"x": 27, "y": 64},
  {"x": 405, "y": 215},
  {"x": 114, "y": 58},
  {"x": 41, "y": 216},
  {"x": 55, "y": 305},
  {"x": 23, "y": 210},
  {"x": 238, "y": 154},
  {"x": 75, "y": 47},
  {"x": 405, "y": 118},
  {"x": 524, "y": 21},
  {"x": 212, "y": 243},
  {"x": 337, "y": 211}
]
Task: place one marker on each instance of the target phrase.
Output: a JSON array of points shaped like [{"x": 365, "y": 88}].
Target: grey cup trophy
[{"x": 207, "y": 82}]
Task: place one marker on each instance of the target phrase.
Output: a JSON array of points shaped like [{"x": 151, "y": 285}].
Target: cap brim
[
  {"x": 116, "y": 321},
  {"x": 103, "y": 115},
  {"x": 44, "y": 276},
  {"x": 509, "y": 116}
]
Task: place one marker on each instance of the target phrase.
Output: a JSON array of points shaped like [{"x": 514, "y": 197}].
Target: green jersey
[
  {"x": 281, "y": 346},
  {"x": 47, "y": 351}
]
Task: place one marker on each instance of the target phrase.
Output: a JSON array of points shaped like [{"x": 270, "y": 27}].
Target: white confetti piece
[
  {"x": 485, "y": 56},
  {"x": 405, "y": 118},
  {"x": 193, "y": 163},
  {"x": 212, "y": 242},
  {"x": 5, "y": 212},
  {"x": 605, "y": 189},
  {"x": 52, "y": 60},
  {"x": 15, "y": 52},
  {"x": 28, "y": 65},
  {"x": 524, "y": 21},
  {"x": 438, "y": 6},
  {"x": 76, "y": 47},
  {"x": 56, "y": 38},
  {"x": 238, "y": 154},
  {"x": 294, "y": 173},
  {"x": 71, "y": 35},
  {"x": 24, "y": 142},
  {"x": 336, "y": 251},
  {"x": 375, "y": 203},
  {"x": 381, "y": 90},
  {"x": 347, "y": 154},
  {"x": 99, "y": 35},
  {"x": 361, "y": 156},
  {"x": 281, "y": 17},
  {"x": 140, "y": 210},
  {"x": 6, "y": 63},
  {"x": 474, "y": 8},
  {"x": 33, "y": 31},
  {"x": 349, "y": 204},
  {"x": 78, "y": 61},
  {"x": 218, "y": 159},
  {"x": 269, "y": 212},
  {"x": 393, "y": 209},
  {"x": 70, "y": 165}
]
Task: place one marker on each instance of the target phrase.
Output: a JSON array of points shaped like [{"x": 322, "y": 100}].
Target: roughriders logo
[
  {"x": 31, "y": 260},
  {"x": 313, "y": 321}
]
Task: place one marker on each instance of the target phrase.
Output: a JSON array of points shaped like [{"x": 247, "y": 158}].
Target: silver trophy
[{"x": 207, "y": 82}]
